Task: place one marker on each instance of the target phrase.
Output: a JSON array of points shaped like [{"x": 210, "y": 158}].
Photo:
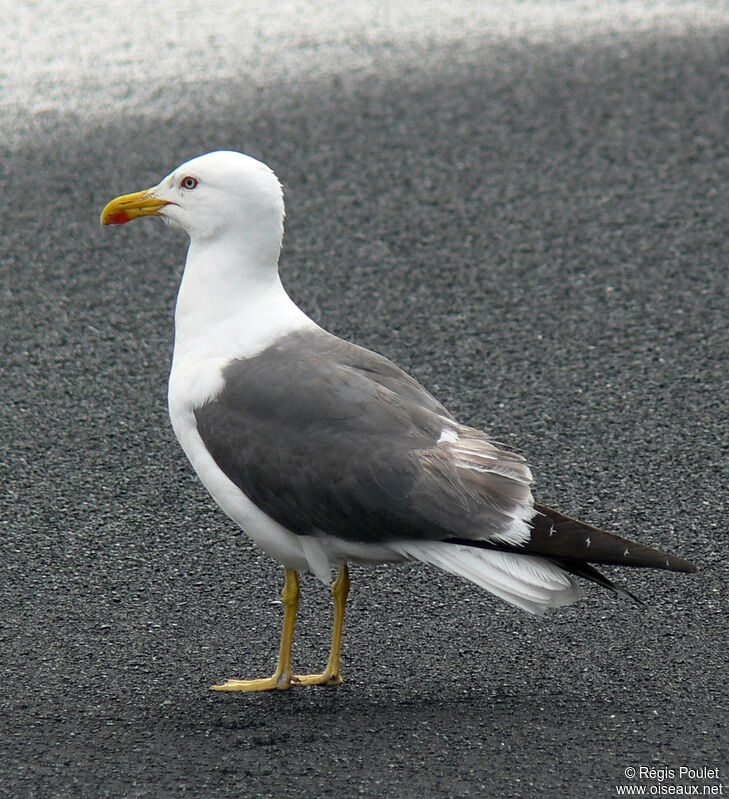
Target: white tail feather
[{"x": 527, "y": 581}]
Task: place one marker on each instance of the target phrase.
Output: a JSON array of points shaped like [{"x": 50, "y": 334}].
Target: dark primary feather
[
  {"x": 564, "y": 541},
  {"x": 557, "y": 535}
]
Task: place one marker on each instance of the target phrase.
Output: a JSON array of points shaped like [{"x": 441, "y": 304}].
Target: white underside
[
  {"x": 304, "y": 553},
  {"x": 197, "y": 376},
  {"x": 531, "y": 583},
  {"x": 528, "y": 582}
]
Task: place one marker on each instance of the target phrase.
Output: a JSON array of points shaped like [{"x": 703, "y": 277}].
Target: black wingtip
[
  {"x": 587, "y": 572},
  {"x": 682, "y": 565},
  {"x": 560, "y": 536}
]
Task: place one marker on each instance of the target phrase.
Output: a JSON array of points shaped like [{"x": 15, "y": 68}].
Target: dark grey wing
[
  {"x": 383, "y": 372},
  {"x": 327, "y": 437}
]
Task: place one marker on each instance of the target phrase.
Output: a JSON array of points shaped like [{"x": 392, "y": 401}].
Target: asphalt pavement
[{"x": 524, "y": 205}]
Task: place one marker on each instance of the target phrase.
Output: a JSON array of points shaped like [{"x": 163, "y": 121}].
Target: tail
[
  {"x": 539, "y": 574},
  {"x": 530, "y": 582}
]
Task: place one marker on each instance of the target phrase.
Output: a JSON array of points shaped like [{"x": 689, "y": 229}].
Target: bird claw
[
  {"x": 325, "y": 678},
  {"x": 280, "y": 682}
]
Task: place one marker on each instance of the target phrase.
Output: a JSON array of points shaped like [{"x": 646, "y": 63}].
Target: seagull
[{"x": 326, "y": 453}]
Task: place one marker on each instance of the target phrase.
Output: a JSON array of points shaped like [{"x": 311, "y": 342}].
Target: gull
[{"x": 326, "y": 453}]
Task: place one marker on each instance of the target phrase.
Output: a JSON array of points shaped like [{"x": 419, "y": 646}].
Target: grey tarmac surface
[{"x": 533, "y": 221}]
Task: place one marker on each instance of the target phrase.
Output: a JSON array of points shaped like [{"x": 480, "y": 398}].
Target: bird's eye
[{"x": 189, "y": 182}]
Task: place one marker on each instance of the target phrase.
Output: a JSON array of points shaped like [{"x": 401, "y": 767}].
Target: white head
[
  {"x": 222, "y": 196},
  {"x": 231, "y": 300}
]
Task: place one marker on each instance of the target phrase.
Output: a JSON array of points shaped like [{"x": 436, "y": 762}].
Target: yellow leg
[
  {"x": 281, "y": 679},
  {"x": 332, "y": 674}
]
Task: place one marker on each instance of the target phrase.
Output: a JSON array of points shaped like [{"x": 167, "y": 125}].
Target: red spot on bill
[{"x": 117, "y": 218}]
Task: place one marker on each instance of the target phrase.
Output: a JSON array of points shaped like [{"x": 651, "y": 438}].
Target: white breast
[
  {"x": 274, "y": 539},
  {"x": 205, "y": 342}
]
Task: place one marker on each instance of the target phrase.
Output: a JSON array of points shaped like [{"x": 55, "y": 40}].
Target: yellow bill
[{"x": 129, "y": 206}]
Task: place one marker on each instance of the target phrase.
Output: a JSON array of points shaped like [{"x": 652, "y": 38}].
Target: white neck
[{"x": 231, "y": 303}]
